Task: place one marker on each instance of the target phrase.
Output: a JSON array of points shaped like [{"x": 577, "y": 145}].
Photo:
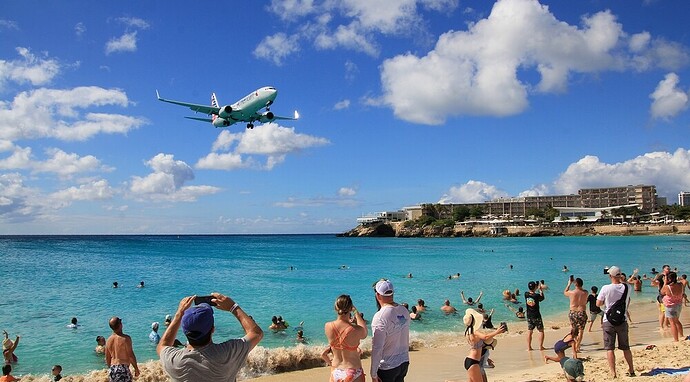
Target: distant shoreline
[{"x": 397, "y": 229}]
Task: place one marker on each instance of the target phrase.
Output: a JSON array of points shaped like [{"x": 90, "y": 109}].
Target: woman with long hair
[
  {"x": 344, "y": 336},
  {"x": 673, "y": 302},
  {"x": 478, "y": 344}
]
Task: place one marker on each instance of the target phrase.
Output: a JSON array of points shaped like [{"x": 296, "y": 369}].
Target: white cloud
[
  {"x": 351, "y": 70},
  {"x": 349, "y": 24},
  {"x": 57, "y": 162},
  {"x": 80, "y": 29},
  {"x": 8, "y": 24},
  {"x": 134, "y": 22},
  {"x": 472, "y": 192},
  {"x": 341, "y": 105},
  {"x": 125, "y": 43},
  {"x": 668, "y": 99},
  {"x": 477, "y": 70},
  {"x": 347, "y": 191},
  {"x": 277, "y": 47},
  {"x": 270, "y": 140},
  {"x": 20, "y": 203},
  {"x": 31, "y": 69},
  {"x": 52, "y": 113},
  {"x": 166, "y": 182},
  {"x": 93, "y": 190},
  {"x": 669, "y": 172}
]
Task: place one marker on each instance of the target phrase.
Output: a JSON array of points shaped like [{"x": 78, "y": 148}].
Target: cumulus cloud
[
  {"x": 52, "y": 113},
  {"x": 277, "y": 47},
  {"x": 19, "y": 202},
  {"x": 351, "y": 24},
  {"x": 29, "y": 69},
  {"x": 89, "y": 191},
  {"x": 65, "y": 165},
  {"x": 477, "y": 70},
  {"x": 236, "y": 150},
  {"x": 472, "y": 192},
  {"x": 668, "y": 171},
  {"x": 167, "y": 182},
  {"x": 125, "y": 43},
  {"x": 667, "y": 99}
]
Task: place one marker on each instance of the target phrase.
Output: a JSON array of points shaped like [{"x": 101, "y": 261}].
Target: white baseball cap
[
  {"x": 614, "y": 271},
  {"x": 384, "y": 288}
]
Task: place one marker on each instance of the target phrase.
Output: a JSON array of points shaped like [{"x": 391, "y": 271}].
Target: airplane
[{"x": 245, "y": 110}]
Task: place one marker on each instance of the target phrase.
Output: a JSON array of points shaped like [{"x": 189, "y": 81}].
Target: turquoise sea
[{"x": 46, "y": 280}]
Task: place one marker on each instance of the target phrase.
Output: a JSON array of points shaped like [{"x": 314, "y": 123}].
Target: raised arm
[
  {"x": 252, "y": 332},
  {"x": 462, "y": 294},
  {"x": 481, "y": 293},
  {"x": 168, "y": 338},
  {"x": 363, "y": 332},
  {"x": 567, "y": 288}
]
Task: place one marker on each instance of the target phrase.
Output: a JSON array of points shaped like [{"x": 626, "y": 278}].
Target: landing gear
[
  {"x": 268, "y": 105},
  {"x": 250, "y": 125}
]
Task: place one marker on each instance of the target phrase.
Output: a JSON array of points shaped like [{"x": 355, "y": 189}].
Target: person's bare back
[{"x": 119, "y": 347}]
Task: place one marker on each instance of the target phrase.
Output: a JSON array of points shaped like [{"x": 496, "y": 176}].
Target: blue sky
[{"x": 401, "y": 102}]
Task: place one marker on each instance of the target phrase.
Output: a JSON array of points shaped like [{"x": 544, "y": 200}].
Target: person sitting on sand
[
  {"x": 421, "y": 307},
  {"x": 344, "y": 337},
  {"x": 447, "y": 308},
  {"x": 100, "y": 345},
  {"x": 6, "y": 374},
  {"x": 8, "y": 348},
  {"x": 573, "y": 368},
  {"x": 470, "y": 301},
  {"x": 476, "y": 340}
]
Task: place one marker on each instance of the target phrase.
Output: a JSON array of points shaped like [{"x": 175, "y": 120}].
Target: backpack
[{"x": 616, "y": 313}]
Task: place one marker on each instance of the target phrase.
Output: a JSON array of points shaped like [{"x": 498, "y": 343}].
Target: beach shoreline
[{"x": 443, "y": 361}]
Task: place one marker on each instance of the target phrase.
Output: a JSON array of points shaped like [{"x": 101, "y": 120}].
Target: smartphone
[
  {"x": 606, "y": 270},
  {"x": 204, "y": 299},
  {"x": 503, "y": 324},
  {"x": 572, "y": 278}
]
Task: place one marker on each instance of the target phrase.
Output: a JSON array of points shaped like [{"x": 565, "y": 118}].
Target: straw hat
[{"x": 468, "y": 319}]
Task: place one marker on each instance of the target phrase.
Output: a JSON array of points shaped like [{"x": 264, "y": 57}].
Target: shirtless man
[
  {"x": 447, "y": 308},
  {"x": 421, "y": 307},
  {"x": 578, "y": 306},
  {"x": 119, "y": 354},
  {"x": 635, "y": 281}
]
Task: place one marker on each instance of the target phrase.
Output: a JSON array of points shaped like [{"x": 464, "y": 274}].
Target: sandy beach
[{"x": 513, "y": 362}]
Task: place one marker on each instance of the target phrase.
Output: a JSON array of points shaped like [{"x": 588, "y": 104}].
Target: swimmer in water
[
  {"x": 470, "y": 301},
  {"x": 100, "y": 345},
  {"x": 73, "y": 324},
  {"x": 8, "y": 348},
  {"x": 141, "y": 284}
]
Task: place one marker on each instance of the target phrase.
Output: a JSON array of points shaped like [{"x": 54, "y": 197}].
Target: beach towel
[{"x": 667, "y": 370}]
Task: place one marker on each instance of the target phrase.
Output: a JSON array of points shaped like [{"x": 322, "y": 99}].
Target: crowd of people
[{"x": 203, "y": 359}]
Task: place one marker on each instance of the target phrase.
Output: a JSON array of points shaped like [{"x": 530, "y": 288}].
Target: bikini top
[{"x": 340, "y": 336}]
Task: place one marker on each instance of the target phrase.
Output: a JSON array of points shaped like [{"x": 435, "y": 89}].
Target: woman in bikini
[
  {"x": 477, "y": 341},
  {"x": 673, "y": 302},
  {"x": 343, "y": 337}
]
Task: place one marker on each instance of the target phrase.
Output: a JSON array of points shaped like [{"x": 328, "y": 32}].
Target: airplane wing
[
  {"x": 201, "y": 119},
  {"x": 206, "y": 109},
  {"x": 265, "y": 117}
]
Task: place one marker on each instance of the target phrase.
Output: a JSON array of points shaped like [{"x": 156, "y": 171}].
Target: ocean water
[{"x": 46, "y": 280}]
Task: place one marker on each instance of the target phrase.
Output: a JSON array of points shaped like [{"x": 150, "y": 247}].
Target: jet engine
[
  {"x": 225, "y": 111},
  {"x": 221, "y": 122},
  {"x": 267, "y": 116}
]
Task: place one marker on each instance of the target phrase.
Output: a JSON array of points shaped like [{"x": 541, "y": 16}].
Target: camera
[
  {"x": 606, "y": 270},
  {"x": 204, "y": 299}
]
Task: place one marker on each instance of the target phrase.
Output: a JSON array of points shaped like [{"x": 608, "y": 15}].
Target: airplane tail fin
[{"x": 214, "y": 100}]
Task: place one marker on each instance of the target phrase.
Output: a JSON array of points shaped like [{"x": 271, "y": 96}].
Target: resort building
[
  {"x": 383, "y": 217},
  {"x": 684, "y": 199},
  {"x": 644, "y": 196}
]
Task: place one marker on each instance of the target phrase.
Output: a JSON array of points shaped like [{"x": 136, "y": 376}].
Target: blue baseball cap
[{"x": 197, "y": 321}]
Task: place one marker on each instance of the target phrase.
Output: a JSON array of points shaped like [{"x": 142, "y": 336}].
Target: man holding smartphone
[{"x": 201, "y": 359}]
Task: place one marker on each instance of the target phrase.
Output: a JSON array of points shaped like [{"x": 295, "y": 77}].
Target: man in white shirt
[
  {"x": 390, "y": 340},
  {"x": 608, "y": 296}
]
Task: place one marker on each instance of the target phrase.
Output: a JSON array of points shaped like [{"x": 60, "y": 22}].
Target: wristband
[{"x": 234, "y": 307}]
